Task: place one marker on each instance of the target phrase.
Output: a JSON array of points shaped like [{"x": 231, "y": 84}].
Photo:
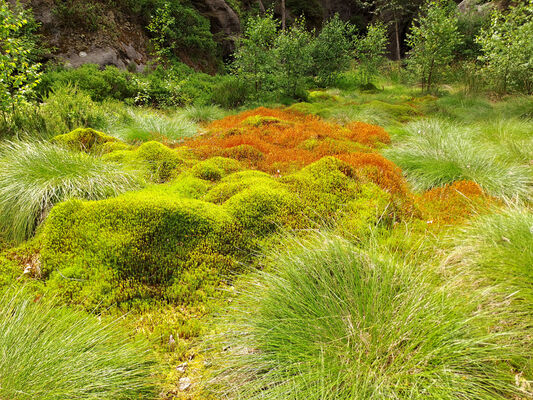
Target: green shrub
[
  {"x": 433, "y": 39},
  {"x": 54, "y": 353},
  {"x": 67, "y": 108},
  {"x": 109, "y": 83},
  {"x": 176, "y": 26},
  {"x": 329, "y": 321},
  {"x": 84, "y": 139},
  {"x": 293, "y": 51},
  {"x": 229, "y": 92},
  {"x": 332, "y": 50},
  {"x": 19, "y": 71},
  {"x": 254, "y": 56},
  {"x": 506, "y": 46},
  {"x": 434, "y": 153},
  {"x": 35, "y": 176},
  {"x": 370, "y": 51}
]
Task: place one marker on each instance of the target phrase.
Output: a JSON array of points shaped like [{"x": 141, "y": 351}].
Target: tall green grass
[
  {"x": 198, "y": 114},
  {"x": 498, "y": 248},
  {"x": 144, "y": 125},
  {"x": 434, "y": 152},
  {"x": 36, "y": 175},
  {"x": 329, "y": 321},
  {"x": 51, "y": 353}
]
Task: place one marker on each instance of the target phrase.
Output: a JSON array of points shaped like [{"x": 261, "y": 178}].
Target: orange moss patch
[
  {"x": 280, "y": 141},
  {"x": 377, "y": 169},
  {"x": 370, "y": 135},
  {"x": 453, "y": 203}
]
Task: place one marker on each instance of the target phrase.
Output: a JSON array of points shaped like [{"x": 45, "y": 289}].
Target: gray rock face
[
  {"x": 122, "y": 56},
  {"x": 223, "y": 20}
]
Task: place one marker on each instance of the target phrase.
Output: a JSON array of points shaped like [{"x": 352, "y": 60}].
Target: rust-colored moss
[{"x": 453, "y": 203}]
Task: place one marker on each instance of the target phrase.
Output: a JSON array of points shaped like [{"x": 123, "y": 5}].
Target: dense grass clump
[
  {"x": 142, "y": 126},
  {"x": 499, "y": 248},
  {"x": 435, "y": 153},
  {"x": 332, "y": 322},
  {"x": 52, "y": 353},
  {"x": 36, "y": 175}
]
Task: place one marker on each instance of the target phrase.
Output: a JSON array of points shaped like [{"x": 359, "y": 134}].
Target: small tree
[
  {"x": 293, "y": 56},
  {"x": 507, "y": 49},
  {"x": 254, "y": 56},
  {"x": 332, "y": 50},
  {"x": 371, "y": 50},
  {"x": 18, "y": 73},
  {"x": 432, "y": 39}
]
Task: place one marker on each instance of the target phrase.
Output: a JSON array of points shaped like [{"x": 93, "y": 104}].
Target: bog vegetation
[{"x": 315, "y": 221}]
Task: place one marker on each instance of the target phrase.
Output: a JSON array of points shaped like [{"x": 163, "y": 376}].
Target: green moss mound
[
  {"x": 143, "y": 236},
  {"x": 194, "y": 230},
  {"x": 262, "y": 209},
  {"x": 160, "y": 162},
  {"x": 84, "y": 139},
  {"x": 214, "y": 169},
  {"x": 261, "y": 120},
  {"x": 325, "y": 186},
  {"x": 237, "y": 182}
]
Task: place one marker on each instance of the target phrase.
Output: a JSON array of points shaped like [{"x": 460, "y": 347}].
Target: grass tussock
[
  {"x": 434, "y": 153},
  {"x": 499, "y": 248},
  {"x": 36, "y": 175},
  {"x": 329, "y": 321},
  {"x": 140, "y": 126},
  {"x": 53, "y": 353}
]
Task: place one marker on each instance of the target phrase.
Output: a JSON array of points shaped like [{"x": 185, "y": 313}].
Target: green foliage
[
  {"x": 471, "y": 20},
  {"x": 434, "y": 153},
  {"x": 254, "y": 58},
  {"x": 332, "y": 50},
  {"x": 67, "y": 108},
  {"x": 176, "y": 26},
  {"x": 327, "y": 315},
  {"x": 230, "y": 92},
  {"x": 293, "y": 50},
  {"x": 433, "y": 39},
  {"x": 78, "y": 15},
  {"x": 35, "y": 176},
  {"x": 507, "y": 48},
  {"x": 370, "y": 51},
  {"x": 19, "y": 74},
  {"x": 54, "y": 353},
  {"x": 100, "y": 84}
]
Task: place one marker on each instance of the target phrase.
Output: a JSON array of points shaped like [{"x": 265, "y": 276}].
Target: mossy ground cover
[{"x": 182, "y": 246}]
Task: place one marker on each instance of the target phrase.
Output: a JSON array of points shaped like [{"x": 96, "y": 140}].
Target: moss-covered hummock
[
  {"x": 161, "y": 162},
  {"x": 85, "y": 139}
]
